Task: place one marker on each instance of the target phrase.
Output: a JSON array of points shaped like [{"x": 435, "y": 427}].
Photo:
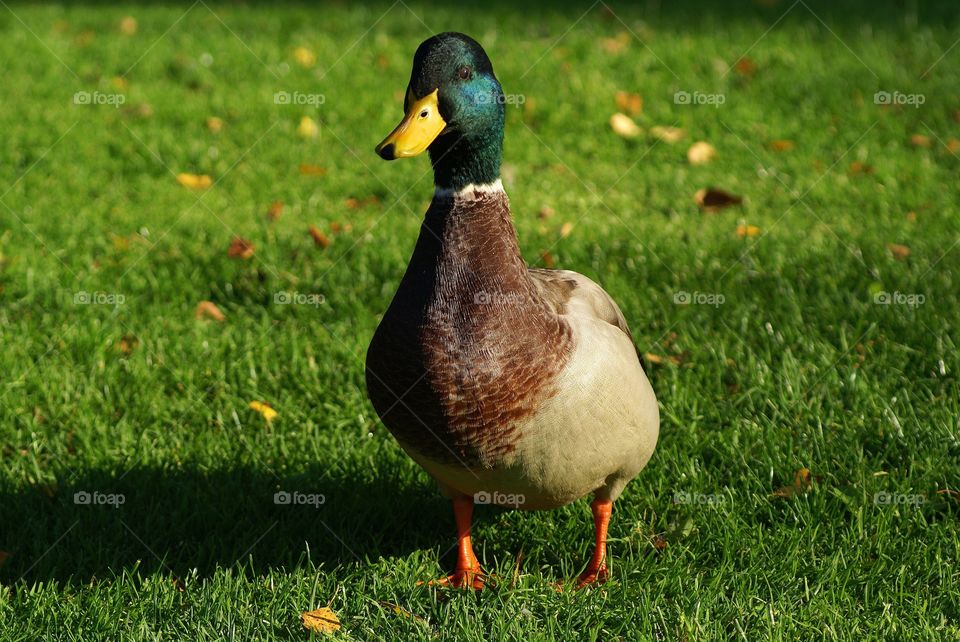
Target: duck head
[{"x": 454, "y": 108}]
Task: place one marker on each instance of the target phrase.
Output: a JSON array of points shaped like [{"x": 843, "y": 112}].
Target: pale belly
[{"x": 594, "y": 435}]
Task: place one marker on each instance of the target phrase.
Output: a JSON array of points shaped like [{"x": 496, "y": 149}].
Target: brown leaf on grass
[
  {"x": 565, "y": 229},
  {"x": 912, "y": 217},
  {"x": 128, "y": 343},
  {"x": 669, "y": 135},
  {"x": 275, "y": 210},
  {"x": 949, "y": 492},
  {"x": 856, "y": 167},
  {"x": 713, "y": 199},
  {"x": 320, "y": 620},
  {"x": 547, "y": 259},
  {"x": 545, "y": 212},
  {"x": 336, "y": 227},
  {"x": 781, "y": 145},
  {"x": 899, "y": 252},
  {"x": 745, "y": 67},
  {"x": 357, "y": 203},
  {"x": 128, "y": 25},
  {"x": 919, "y": 140},
  {"x": 701, "y": 153},
  {"x": 629, "y": 103},
  {"x": 194, "y": 181},
  {"x": 319, "y": 238},
  {"x": 802, "y": 481},
  {"x": 623, "y": 126},
  {"x": 747, "y": 231},
  {"x": 208, "y": 310},
  {"x": 240, "y": 248},
  {"x": 306, "y": 169},
  {"x": 214, "y": 124},
  {"x": 953, "y": 145},
  {"x": 265, "y": 409},
  {"x": 616, "y": 44}
]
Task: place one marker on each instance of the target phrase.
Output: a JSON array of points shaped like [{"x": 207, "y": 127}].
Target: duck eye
[{"x": 463, "y": 72}]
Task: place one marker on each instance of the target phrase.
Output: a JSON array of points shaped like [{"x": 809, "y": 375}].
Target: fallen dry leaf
[
  {"x": 304, "y": 57},
  {"x": 781, "y": 145},
  {"x": 629, "y": 103},
  {"x": 337, "y": 227},
  {"x": 547, "y": 259},
  {"x": 128, "y": 343},
  {"x": 953, "y": 145},
  {"x": 623, "y": 126},
  {"x": 208, "y": 310},
  {"x": 802, "y": 481},
  {"x": 899, "y": 252},
  {"x": 215, "y": 124},
  {"x": 701, "y": 153},
  {"x": 747, "y": 231},
  {"x": 321, "y": 620},
  {"x": 667, "y": 134},
  {"x": 195, "y": 181},
  {"x": 319, "y": 238},
  {"x": 308, "y": 128},
  {"x": 919, "y": 140},
  {"x": 264, "y": 409},
  {"x": 306, "y": 169},
  {"x": 659, "y": 360},
  {"x": 545, "y": 212},
  {"x": 856, "y": 167},
  {"x": 912, "y": 216},
  {"x": 240, "y": 248},
  {"x": 712, "y": 199},
  {"x": 745, "y": 67},
  {"x": 565, "y": 229},
  {"x": 128, "y": 25},
  {"x": 275, "y": 210},
  {"x": 617, "y": 44}
]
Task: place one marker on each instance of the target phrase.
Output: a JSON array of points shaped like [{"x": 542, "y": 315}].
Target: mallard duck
[{"x": 509, "y": 385}]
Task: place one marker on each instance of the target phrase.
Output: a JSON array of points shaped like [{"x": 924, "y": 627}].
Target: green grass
[{"x": 798, "y": 368}]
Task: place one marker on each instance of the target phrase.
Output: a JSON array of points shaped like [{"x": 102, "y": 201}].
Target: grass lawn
[{"x": 808, "y": 342}]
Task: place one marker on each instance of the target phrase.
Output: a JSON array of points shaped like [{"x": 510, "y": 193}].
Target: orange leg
[
  {"x": 468, "y": 573},
  {"x": 596, "y": 571}
]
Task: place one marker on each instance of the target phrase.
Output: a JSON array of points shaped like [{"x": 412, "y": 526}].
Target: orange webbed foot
[
  {"x": 593, "y": 577},
  {"x": 471, "y": 578}
]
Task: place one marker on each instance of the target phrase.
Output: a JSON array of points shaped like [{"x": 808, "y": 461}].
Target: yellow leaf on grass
[
  {"x": 195, "y": 181},
  {"x": 306, "y": 169},
  {"x": 802, "y": 481},
  {"x": 308, "y": 128},
  {"x": 701, "y": 153},
  {"x": 747, "y": 231},
  {"x": 215, "y": 124},
  {"x": 276, "y": 209},
  {"x": 781, "y": 145},
  {"x": 321, "y": 620},
  {"x": 319, "y": 238},
  {"x": 629, "y": 103},
  {"x": 304, "y": 57},
  {"x": 565, "y": 229},
  {"x": 208, "y": 310},
  {"x": 667, "y": 134},
  {"x": 623, "y": 126},
  {"x": 264, "y": 409}
]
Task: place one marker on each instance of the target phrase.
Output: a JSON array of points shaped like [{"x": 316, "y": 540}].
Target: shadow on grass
[{"x": 185, "y": 519}]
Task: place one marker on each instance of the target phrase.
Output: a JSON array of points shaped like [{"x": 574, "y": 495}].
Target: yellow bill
[{"x": 416, "y": 131}]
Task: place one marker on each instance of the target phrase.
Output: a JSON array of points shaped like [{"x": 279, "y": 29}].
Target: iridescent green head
[{"x": 454, "y": 108}]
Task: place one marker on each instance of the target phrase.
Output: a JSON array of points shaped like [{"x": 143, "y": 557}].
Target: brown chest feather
[{"x": 468, "y": 349}]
